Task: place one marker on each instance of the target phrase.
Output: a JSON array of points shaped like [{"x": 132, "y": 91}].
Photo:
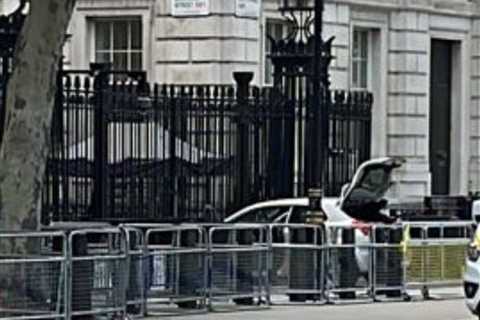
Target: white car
[
  {"x": 472, "y": 274},
  {"x": 366, "y": 191},
  {"x": 361, "y": 201}
]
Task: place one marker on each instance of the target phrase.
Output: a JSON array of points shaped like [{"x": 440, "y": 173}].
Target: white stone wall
[
  {"x": 337, "y": 24},
  {"x": 475, "y": 108},
  {"x": 204, "y": 49},
  {"x": 408, "y": 104}
]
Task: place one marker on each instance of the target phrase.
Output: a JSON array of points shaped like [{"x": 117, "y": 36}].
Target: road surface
[{"x": 422, "y": 310}]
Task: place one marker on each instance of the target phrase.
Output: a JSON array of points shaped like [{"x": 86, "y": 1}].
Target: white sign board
[
  {"x": 248, "y": 8},
  {"x": 190, "y": 7}
]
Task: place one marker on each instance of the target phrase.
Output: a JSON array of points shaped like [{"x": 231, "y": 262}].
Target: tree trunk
[
  {"x": 24, "y": 148},
  {"x": 29, "y": 107}
]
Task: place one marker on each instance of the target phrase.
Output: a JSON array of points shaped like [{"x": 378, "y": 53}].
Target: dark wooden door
[{"x": 440, "y": 115}]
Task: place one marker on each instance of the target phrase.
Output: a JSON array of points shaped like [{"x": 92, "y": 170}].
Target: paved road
[{"x": 431, "y": 310}]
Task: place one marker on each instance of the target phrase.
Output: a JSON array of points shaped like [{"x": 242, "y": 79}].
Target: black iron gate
[
  {"x": 126, "y": 151},
  {"x": 123, "y": 150}
]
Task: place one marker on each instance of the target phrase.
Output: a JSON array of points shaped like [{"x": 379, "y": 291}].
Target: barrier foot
[
  {"x": 407, "y": 297},
  {"x": 426, "y": 293}
]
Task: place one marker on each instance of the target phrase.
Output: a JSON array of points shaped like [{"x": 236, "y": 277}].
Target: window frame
[
  {"x": 368, "y": 59},
  {"x": 111, "y": 50},
  {"x": 266, "y": 43}
]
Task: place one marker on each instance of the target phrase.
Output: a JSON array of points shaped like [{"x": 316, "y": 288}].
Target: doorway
[{"x": 440, "y": 115}]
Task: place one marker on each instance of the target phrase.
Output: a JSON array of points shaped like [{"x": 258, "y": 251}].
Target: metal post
[
  {"x": 243, "y": 80},
  {"x": 100, "y": 143},
  {"x": 319, "y": 142},
  {"x": 57, "y": 147},
  {"x": 173, "y": 208}
]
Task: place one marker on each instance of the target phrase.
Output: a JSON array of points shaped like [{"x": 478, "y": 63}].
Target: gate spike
[
  {"x": 76, "y": 83},
  {"x": 68, "y": 82},
  {"x": 86, "y": 84}
]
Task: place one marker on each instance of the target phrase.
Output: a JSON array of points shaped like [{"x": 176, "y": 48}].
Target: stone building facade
[{"x": 420, "y": 58}]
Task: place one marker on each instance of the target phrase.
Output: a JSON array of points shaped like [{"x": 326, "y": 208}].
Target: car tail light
[{"x": 364, "y": 228}]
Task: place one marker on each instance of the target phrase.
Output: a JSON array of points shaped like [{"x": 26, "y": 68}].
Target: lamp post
[
  {"x": 306, "y": 48},
  {"x": 303, "y": 56},
  {"x": 319, "y": 139}
]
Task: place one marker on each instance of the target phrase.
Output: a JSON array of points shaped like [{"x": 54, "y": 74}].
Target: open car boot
[{"x": 364, "y": 199}]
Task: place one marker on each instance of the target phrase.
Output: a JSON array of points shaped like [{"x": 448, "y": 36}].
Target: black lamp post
[
  {"x": 305, "y": 51},
  {"x": 301, "y": 57}
]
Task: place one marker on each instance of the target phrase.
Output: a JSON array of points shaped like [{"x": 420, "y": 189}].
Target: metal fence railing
[
  {"x": 137, "y": 266},
  {"x": 388, "y": 262},
  {"x": 238, "y": 266},
  {"x": 297, "y": 261},
  {"x": 349, "y": 262},
  {"x": 176, "y": 269},
  {"x": 32, "y": 275},
  {"x": 124, "y": 151},
  {"x": 435, "y": 254},
  {"x": 98, "y": 273}
]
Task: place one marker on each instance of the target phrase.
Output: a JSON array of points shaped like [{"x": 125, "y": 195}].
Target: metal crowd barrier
[
  {"x": 435, "y": 254},
  {"x": 297, "y": 261},
  {"x": 349, "y": 266},
  {"x": 238, "y": 266},
  {"x": 388, "y": 262},
  {"x": 165, "y": 269},
  {"x": 98, "y": 272},
  {"x": 177, "y": 270},
  {"x": 33, "y": 275},
  {"x": 137, "y": 262}
]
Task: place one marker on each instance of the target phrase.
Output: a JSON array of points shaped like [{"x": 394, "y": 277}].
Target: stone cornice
[{"x": 445, "y": 7}]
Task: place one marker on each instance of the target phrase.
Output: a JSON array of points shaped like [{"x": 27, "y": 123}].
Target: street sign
[
  {"x": 248, "y": 8},
  {"x": 190, "y": 7}
]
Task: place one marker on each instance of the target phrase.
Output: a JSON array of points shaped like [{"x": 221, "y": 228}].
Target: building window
[
  {"x": 119, "y": 41},
  {"x": 360, "y": 59},
  {"x": 277, "y": 29}
]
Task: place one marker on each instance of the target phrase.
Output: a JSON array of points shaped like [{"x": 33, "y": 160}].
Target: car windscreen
[
  {"x": 263, "y": 215},
  {"x": 372, "y": 187}
]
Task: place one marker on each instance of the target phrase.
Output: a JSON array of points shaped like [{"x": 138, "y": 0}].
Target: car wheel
[
  {"x": 393, "y": 293},
  {"x": 244, "y": 301},
  {"x": 347, "y": 295},
  {"x": 297, "y": 297},
  {"x": 187, "y": 304}
]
